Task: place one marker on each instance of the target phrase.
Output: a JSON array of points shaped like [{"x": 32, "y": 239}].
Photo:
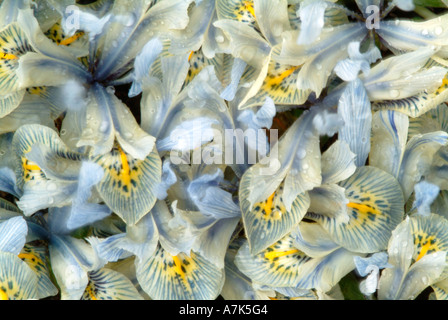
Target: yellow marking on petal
[
  {"x": 8, "y": 56},
  {"x": 277, "y": 254},
  {"x": 29, "y": 165},
  {"x": 70, "y": 40},
  {"x": 444, "y": 85},
  {"x": 249, "y": 6},
  {"x": 3, "y": 295},
  {"x": 191, "y": 54},
  {"x": 125, "y": 171},
  {"x": 30, "y": 256},
  {"x": 276, "y": 80},
  {"x": 426, "y": 244},
  {"x": 423, "y": 251},
  {"x": 90, "y": 292},
  {"x": 37, "y": 90},
  {"x": 178, "y": 268},
  {"x": 268, "y": 205},
  {"x": 362, "y": 208}
]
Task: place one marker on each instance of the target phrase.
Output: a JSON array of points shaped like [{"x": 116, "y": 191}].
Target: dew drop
[
  {"x": 52, "y": 186},
  {"x": 103, "y": 127},
  {"x": 301, "y": 153},
  {"x": 394, "y": 93},
  {"x": 219, "y": 39},
  {"x": 438, "y": 31}
]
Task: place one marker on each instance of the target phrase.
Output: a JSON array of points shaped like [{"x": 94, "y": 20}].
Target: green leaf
[{"x": 350, "y": 287}]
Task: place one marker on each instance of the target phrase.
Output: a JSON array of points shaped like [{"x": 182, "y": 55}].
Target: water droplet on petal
[{"x": 394, "y": 93}]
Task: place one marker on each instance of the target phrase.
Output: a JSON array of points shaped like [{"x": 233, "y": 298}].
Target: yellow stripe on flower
[
  {"x": 70, "y": 40},
  {"x": 29, "y": 165},
  {"x": 275, "y": 81},
  {"x": 362, "y": 208},
  {"x": 30, "y": 256},
  {"x": 268, "y": 205},
  {"x": 8, "y": 56},
  {"x": 3, "y": 295},
  {"x": 277, "y": 254},
  {"x": 444, "y": 85},
  {"x": 249, "y": 6},
  {"x": 423, "y": 251},
  {"x": 125, "y": 169},
  {"x": 191, "y": 54},
  {"x": 178, "y": 267},
  {"x": 90, "y": 292}
]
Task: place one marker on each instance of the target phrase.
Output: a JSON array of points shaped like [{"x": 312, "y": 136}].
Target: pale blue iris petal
[
  {"x": 138, "y": 25},
  {"x": 400, "y": 250},
  {"x": 319, "y": 58},
  {"x": 168, "y": 179},
  {"x": 238, "y": 68},
  {"x": 405, "y": 5},
  {"x": 325, "y": 272},
  {"x": 9, "y": 11},
  {"x": 338, "y": 163},
  {"x": 312, "y": 16},
  {"x": 13, "y": 234},
  {"x": 264, "y": 177},
  {"x": 89, "y": 175},
  {"x": 425, "y": 194},
  {"x": 245, "y": 43},
  {"x": 188, "y": 135},
  {"x": 140, "y": 240},
  {"x": 213, "y": 243},
  {"x": 52, "y": 164},
  {"x": 389, "y": 137},
  {"x": 417, "y": 158},
  {"x": 192, "y": 37},
  {"x": 410, "y": 35},
  {"x": 69, "y": 262},
  {"x": 87, "y": 22},
  {"x": 142, "y": 65},
  {"x": 210, "y": 199},
  {"x": 403, "y": 75},
  {"x": 86, "y": 214},
  {"x": 97, "y": 128},
  {"x": 128, "y": 133},
  {"x": 313, "y": 240},
  {"x": 176, "y": 235},
  {"x": 378, "y": 259},
  {"x": 8, "y": 182},
  {"x": 110, "y": 249},
  {"x": 363, "y": 5},
  {"x": 354, "y": 108},
  {"x": 44, "y": 194},
  {"x": 428, "y": 270},
  {"x": 272, "y": 18},
  {"x": 348, "y": 69},
  {"x": 263, "y": 118},
  {"x": 329, "y": 201}
]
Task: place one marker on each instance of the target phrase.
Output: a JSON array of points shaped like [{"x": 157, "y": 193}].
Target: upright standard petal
[
  {"x": 354, "y": 108},
  {"x": 389, "y": 138}
]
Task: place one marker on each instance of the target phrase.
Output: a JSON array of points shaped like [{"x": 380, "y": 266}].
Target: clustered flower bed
[{"x": 223, "y": 149}]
